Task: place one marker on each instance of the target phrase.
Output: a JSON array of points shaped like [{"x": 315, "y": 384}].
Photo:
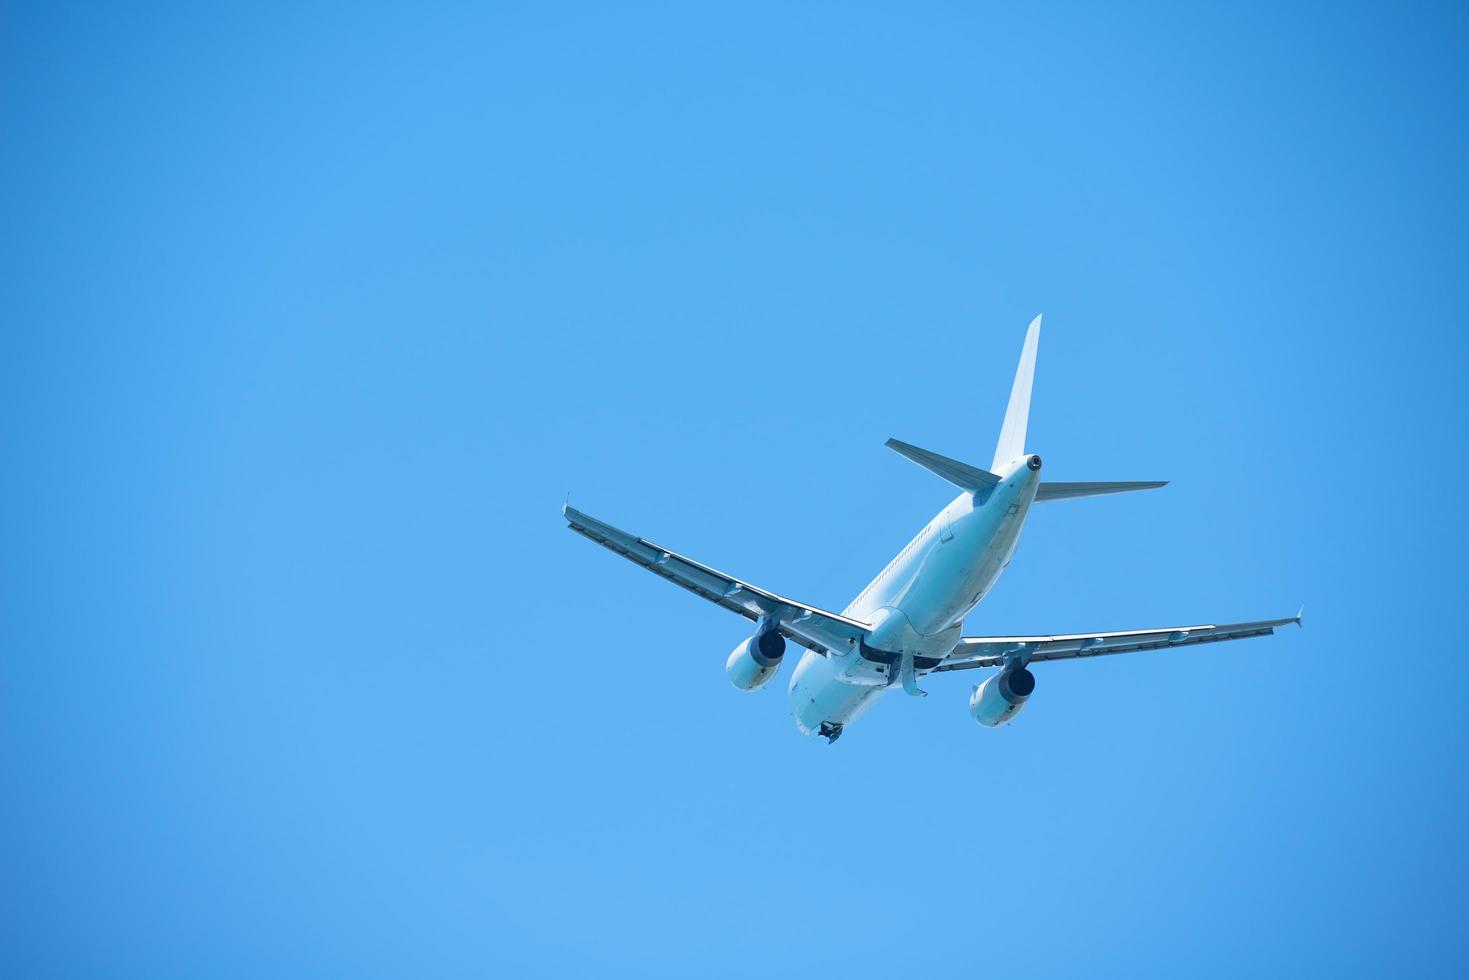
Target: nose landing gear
[{"x": 829, "y": 731}]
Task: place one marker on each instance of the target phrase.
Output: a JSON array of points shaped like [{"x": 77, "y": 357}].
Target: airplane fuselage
[{"x": 917, "y": 604}]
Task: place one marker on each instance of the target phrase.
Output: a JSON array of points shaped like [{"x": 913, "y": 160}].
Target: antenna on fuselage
[{"x": 1012, "y": 433}]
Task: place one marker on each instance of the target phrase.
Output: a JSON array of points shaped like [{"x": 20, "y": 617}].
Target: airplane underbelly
[{"x": 818, "y": 696}]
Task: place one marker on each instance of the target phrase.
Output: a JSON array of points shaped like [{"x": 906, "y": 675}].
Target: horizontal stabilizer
[
  {"x": 961, "y": 475},
  {"x": 1064, "y": 491}
]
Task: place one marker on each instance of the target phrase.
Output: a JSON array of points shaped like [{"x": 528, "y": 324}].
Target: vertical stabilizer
[{"x": 1012, "y": 433}]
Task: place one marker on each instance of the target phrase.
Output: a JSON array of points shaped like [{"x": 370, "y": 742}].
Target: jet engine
[
  {"x": 754, "y": 662},
  {"x": 1001, "y": 697}
]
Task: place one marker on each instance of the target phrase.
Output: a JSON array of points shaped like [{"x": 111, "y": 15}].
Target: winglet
[
  {"x": 1299, "y": 613},
  {"x": 1012, "y": 433}
]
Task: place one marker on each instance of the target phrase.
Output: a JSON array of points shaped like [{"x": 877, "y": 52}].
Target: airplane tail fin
[{"x": 1012, "y": 433}]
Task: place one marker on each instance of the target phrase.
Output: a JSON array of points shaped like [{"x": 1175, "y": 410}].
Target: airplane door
[{"x": 946, "y": 528}]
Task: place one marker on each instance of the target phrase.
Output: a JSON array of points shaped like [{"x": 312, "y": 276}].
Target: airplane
[{"x": 908, "y": 621}]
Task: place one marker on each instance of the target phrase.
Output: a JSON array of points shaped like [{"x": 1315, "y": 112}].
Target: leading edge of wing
[
  {"x": 974, "y": 652},
  {"x": 811, "y": 626}
]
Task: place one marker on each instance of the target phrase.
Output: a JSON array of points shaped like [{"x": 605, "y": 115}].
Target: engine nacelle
[
  {"x": 754, "y": 662},
  {"x": 1001, "y": 697}
]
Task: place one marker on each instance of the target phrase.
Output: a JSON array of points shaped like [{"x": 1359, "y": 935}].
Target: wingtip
[{"x": 566, "y": 504}]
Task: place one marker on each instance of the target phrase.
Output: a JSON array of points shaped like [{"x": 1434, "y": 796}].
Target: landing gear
[{"x": 829, "y": 731}]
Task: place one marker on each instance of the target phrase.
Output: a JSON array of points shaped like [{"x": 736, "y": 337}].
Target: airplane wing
[
  {"x": 813, "y": 628},
  {"x": 974, "y": 652}
]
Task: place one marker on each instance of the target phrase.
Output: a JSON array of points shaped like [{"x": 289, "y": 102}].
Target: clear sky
[{"x": 312, "y": 315}]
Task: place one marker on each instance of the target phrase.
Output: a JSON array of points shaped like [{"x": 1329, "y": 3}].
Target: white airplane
[{"x": 908, "y": 621}]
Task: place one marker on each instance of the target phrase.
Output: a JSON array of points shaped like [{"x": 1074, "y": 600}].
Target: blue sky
[{"x": 312, "y": 315}]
